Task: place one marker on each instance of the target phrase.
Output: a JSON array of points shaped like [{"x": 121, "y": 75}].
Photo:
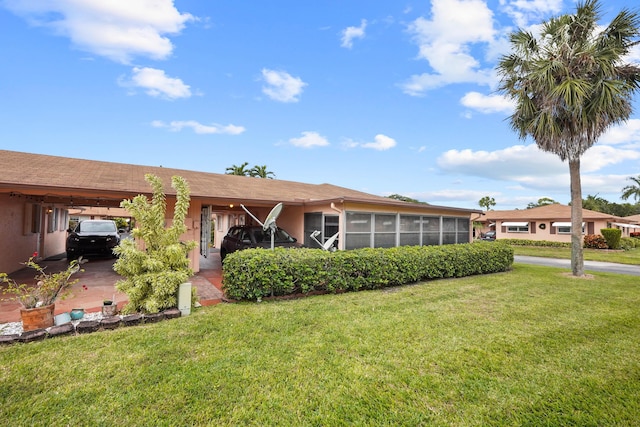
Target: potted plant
[{"x": 38, "y": 299}]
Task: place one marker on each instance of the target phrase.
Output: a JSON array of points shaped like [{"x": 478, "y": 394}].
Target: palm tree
[
  {"x": 570, "y": 84},
  {"x": 595, "y": 203},
  {"x": 238, "y": 170},
  {"x": 632, "y": 190},
  {"x": 261, "y": 172}
]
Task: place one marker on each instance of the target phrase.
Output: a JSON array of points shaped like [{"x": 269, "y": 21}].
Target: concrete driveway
[{"x": 604, "y": 267}]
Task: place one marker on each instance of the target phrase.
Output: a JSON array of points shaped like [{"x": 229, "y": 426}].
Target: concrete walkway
[
  {"x": 99, "y": 279},
  {"x": 605, "y": 267}
]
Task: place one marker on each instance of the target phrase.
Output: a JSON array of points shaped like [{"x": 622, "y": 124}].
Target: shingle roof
[
  {"x": 26, "y": 170},
  {"x": 633, "y": 218},
  {"x": 548, "y": 212}
]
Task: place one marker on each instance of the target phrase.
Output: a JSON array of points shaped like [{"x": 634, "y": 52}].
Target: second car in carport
[{"x": 253, "y": 236}]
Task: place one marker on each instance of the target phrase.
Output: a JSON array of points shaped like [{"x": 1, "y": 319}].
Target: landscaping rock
[
  {"x": 111, "y": 322},
  {"x": 30, "y": 336},
  {"x": 132, "y": 319},
  {"x": 172, "y": 313},
  {"x": 8, "y": 339},
  {"x": 153, "y": 317},
  {"x": 88, "y": 326},
  {"x": 60, "y": 330}
]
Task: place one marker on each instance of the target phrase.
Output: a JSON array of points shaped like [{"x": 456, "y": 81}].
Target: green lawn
[
  {"x": 623, "y": 257},
  {"x": 531, "y": 346}
]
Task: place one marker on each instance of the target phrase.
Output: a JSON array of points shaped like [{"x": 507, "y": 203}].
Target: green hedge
[
  {"x": 629, "y": 243},
  {"x": 525, "y": 242},
  {"x": 256, "y": 273}
]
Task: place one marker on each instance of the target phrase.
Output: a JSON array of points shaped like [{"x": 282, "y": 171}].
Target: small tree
[
  {"x": 156, "y": 263},
  {"x": 487, "y": 202},
  {"x": 544, "y": 201},
  {"x": 405, "y": 199}
]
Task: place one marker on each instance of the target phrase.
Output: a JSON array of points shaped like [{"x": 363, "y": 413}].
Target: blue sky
[{"x": 380, "y": 96}]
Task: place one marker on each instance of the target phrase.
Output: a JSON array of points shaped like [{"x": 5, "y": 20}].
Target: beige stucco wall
[
  {"x": 54, "y": 242},
  {"x": 14, "y": 245},
  {"x": 18, "y": 243}
]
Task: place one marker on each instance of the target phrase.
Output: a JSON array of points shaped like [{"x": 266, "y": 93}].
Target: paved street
[{"x": 606, "y": 267}]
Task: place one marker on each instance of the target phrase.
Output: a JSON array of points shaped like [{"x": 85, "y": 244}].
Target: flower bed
[{"x": 91, "y": 322}]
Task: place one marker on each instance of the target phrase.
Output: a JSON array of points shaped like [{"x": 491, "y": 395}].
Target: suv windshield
[
  {"x": 106, "y": 226},
  {"x": 280, "y": 236}
]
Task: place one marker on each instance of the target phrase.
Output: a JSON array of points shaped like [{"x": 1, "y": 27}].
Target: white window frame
[
  {"x": 516, "y": 227},
  {"x": 564, "y": 227}
]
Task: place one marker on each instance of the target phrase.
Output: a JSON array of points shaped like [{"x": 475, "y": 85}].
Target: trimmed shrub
[
  {"x": 595, "y": 241},
  {"x": 629, "y": 243},
  {"x": 545, "y": 243},
  {"x": 612, "y": 236},
  {"x": 255, "y": 273}
]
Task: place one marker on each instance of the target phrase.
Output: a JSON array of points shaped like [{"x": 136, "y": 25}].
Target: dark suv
[
  {"x": 253, "y": 236},
  {"x": 92, "y": 236}
]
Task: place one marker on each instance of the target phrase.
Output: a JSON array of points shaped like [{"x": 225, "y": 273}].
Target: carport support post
[{"x": 184, "y": 299}]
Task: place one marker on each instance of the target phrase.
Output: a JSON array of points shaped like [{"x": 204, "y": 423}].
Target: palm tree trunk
[{"x": 577, "y": 260}]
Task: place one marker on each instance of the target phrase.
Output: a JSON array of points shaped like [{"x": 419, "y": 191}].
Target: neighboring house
[
  {"x": 550, "y": 222},
  {"x": 38, "y": 193},
  {"x": 633, "y": 219}
]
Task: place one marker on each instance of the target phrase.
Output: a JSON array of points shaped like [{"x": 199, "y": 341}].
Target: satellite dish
[
  {"x": 270, "y": 222},
  {"x": 328, "y": 245}
]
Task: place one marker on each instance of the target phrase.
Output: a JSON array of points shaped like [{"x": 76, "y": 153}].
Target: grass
[
  {"x": 622, "y": 257},
  {"x": 532, "y": 346}
]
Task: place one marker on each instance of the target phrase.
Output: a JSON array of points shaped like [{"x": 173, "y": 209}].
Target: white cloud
[
  {"x": 176, "y": 126},
  {"x": 157, "y": 83},
  {"x": 487, "y": 103},
  {"x": 309, "y": 140},
  {"x": 506, "y": 164},
  {"x": 525, "y": 11},
  {"x": 350, "y": 33},
  {"x": 281, "y": 86},
  {"x": 445, "y": 42},
  {"x": 536, "y": 170},
  {"x": 118, "y": 30},
  {"x": 600, "y": 156},
  {"x": 380, "y": 143},
  {"x": 634, "y": 55},
  {"x": 628, "y": 132},
  {"x": 519, "y": 162}
]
